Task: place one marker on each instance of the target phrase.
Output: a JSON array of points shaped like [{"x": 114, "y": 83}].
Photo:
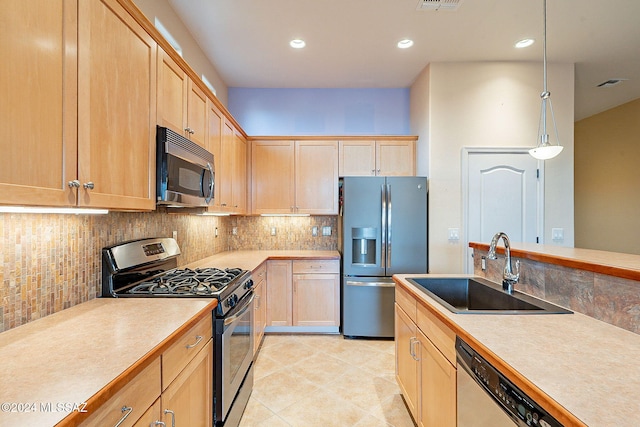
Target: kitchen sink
[{"x": 480, "y": 296}]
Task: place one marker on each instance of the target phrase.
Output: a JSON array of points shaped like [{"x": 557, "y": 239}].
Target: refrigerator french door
[{"x": 384, "y": 228}]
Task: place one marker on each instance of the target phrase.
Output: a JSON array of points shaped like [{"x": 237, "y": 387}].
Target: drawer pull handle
[
  {"x": 158, "y": 423},
  {"x": 173, "y": 416},
  {"x": 126, "y": 410},
  {"x": 198, "y": 339}
]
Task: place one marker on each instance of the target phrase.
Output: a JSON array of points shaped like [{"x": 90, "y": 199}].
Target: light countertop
[
  {"x": 83, "y": 353},
  {"x": 572, "y": 362}
]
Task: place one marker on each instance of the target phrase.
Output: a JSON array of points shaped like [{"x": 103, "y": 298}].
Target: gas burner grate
[{"x": 199, "y": 281}]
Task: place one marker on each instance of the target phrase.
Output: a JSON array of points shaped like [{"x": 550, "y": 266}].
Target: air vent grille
[
  {"x": 450, "y": 5},
  {"x": 611, "y": 82}
]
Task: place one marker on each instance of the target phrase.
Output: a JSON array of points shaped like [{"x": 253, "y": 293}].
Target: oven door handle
[{"x": 231, "y": 319}]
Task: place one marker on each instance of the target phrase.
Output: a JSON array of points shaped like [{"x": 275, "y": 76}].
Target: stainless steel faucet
[{"x": 509, "y": 278}]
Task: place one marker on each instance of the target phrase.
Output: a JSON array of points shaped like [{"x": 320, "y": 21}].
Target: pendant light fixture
[{"x": 545, "y": 150}]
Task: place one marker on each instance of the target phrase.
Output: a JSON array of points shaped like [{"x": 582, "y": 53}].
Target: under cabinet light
[
  {"x": 285, "y": 214},
  {"x": 46, "y": 210}
]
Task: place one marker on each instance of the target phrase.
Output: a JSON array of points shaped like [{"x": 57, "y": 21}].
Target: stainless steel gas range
[{"x": 147, "y": 268}]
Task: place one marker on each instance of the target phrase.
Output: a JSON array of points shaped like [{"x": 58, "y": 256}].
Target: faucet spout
[{"x": 509, "y": 277}]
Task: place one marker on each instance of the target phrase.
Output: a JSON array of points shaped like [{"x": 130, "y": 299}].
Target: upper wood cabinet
[
  {"x": 231, "y": 171},
  {"x": 215, "y": 120},
  {"x": 383, "y": 157},
  {"x": 77, "y": 108},
  {"x": 116, "y": 108},
  {"x": 182, "y": 105},
  {"x": 294, "y": 177},
  {"x": 38, "y": 105}
]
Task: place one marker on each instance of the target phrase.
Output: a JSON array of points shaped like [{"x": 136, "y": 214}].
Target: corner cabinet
[
  {"x": 425, "y": 363},
  {"x": 299, "y": 177},
  {"x": 382, "y": 157},
  {"x": 75, "y": 134}
]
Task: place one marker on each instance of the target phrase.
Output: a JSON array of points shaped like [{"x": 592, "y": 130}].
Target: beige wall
[
  {"x": 487, "y": 104},
  {"x": 608, "y": 179},
  {"x": 191, "y": 51}
]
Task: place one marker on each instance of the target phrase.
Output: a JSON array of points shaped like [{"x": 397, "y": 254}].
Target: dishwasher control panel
[{"x": 520, "y": 407}]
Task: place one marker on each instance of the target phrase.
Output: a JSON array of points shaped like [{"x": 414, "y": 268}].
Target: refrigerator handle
[
  {"x": 383, "y": 204},
  {"x": 388, "y": 253}
]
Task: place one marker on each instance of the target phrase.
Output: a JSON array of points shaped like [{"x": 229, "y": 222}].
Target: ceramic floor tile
[{"x": 325, "y": 380}]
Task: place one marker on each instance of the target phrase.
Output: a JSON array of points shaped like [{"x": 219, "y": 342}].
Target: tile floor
[{"x": 325, "y": 380}]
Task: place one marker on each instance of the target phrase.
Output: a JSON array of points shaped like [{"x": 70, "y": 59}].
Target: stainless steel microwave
[{"x": 185, "y": 171}]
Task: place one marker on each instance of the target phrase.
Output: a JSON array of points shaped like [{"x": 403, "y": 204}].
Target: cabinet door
[
  {"x": 152, "y": 417},
  {"x": 395, "y": 158},
  {"x": 116, "y": 108},
  {"x": 38, "y": 106},
  {"x": 316, "y": 300},
  {"x": 239, "y": 184},
  {"x": 214, "y": 137},
  {"x": 259, "y": 320},
  {"x": 357, "y": 158},
  {"x": 316, "y": 167},
  {"x": 279, "y": 290},
  {"x": 197, "y": 115},
  {"x": 437, "y": 387},
  {"x": 224, "y": 171},
  {"x": 190, "y": 395},
  {"x": 172, "y": 94},
  {"x": 272, "y": 177},
  {"x": 406, "y": 365}
]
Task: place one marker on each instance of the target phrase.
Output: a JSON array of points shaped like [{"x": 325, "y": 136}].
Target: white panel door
[{"x": 503, "y": 195}]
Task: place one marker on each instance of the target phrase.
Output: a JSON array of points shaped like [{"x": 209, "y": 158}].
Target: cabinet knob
[
  {"x": 88, "y": 185},
  {"x": 189, "y": 130},
  {"x": 74, "y": 184}
]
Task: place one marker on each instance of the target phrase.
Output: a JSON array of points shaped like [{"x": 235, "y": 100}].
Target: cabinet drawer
[
  {"x": 138, "y": 395},
  {"x": 438, "y": 333},
  {"x": 406, "y": 302},
  {"x": 316, "y": 266},
  {"x": 176, "y": 357}
]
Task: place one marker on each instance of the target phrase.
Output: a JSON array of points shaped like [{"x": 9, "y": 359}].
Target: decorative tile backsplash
[
  {"x": 611, "y": 299},
  {"x": 52, "y": 262}
]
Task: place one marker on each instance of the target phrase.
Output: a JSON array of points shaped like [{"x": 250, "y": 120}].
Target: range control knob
[
  {"x": 231, "y": 301},
  {"x": 248, "y": 284}
]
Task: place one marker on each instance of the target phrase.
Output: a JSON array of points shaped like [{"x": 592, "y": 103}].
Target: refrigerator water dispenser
[{"x": 364, "y": 246}]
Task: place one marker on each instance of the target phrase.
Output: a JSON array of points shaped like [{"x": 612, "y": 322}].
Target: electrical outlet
[
  {"x": 234, "y": 231},
  {"x": 454, "y": 234},
  {"x": 314, "y": 230},
  {"x": 215, "y": 232},
  {"x": 557, "y": 234},
  {"x": 326, "y": 231},
  {"x": 273, "y": 231},
  {"x": 175, "y": 234}
]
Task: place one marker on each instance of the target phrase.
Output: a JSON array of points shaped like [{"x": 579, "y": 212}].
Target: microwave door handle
[{"x": 211, "y": 183}]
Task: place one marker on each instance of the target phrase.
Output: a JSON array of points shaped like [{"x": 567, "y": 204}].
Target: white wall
[
  {"x": 487, "y": 105},
  {"x": 191, "y": 51}
]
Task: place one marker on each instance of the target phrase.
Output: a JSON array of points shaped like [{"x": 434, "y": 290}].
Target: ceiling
[{"x": 352, "y": 43}]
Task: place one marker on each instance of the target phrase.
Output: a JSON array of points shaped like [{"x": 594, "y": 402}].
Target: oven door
[{"x": 233, "y": 354}]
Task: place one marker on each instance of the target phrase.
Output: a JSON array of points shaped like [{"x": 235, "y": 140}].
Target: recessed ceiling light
[
  {"x": 524, "y": 43},
  {"x": 405, "y": 43},
  {"x": 297, "y": 43}
]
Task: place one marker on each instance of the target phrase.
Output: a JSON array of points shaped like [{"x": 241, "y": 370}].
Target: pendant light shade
[{"x": 545, "y": 149}]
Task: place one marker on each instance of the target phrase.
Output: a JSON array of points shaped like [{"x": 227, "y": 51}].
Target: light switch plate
[
  {"x": 326, "y": 231},
  {"x": 314, "y": 230},
  {"x": 557, "y": 234},
  {"x": 454, "y": 234}
]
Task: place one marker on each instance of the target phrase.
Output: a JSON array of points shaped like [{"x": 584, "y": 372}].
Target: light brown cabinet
[
  {"x": 231, "y": 171},
  {"x": 303, "y": 294},
  {"x": 76, "y": 134},
  {"x": 215, "y": 121},
  {"x": 298, "y": 177},
  {"x": 383, "y": 157},
  {"x": 260, "y": 305},
  {"x": 182, "y": 105},
  {"x": 425, "y": 363}
]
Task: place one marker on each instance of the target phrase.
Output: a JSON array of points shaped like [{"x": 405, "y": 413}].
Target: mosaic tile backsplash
[{"x": 52, "y": 262}]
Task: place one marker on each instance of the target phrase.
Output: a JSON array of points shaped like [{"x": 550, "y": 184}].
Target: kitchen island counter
[
  {"x": 76, "y": 359},
  {"x": 578, "y": 368}
]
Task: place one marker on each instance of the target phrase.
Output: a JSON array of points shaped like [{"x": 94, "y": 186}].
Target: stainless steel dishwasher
[{"x": 486, "y": 398}]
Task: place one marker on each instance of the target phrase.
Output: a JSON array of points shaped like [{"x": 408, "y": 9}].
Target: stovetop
[{"x": 147, "y": 268}]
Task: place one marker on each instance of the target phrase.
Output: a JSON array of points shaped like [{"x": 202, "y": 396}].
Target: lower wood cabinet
[
  {"x": 260, "y": 305},
  {"x": 303, "y": 294},
  {"x": 425, "y": 363}
]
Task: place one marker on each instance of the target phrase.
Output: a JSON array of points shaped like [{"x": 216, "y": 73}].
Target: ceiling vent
[
  {"x": 611, "y": 82},
  {"x": 426, "y": 5}
]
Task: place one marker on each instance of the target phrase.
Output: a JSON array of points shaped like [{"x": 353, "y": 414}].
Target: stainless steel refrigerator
[{"x": 384, "y": 232}]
